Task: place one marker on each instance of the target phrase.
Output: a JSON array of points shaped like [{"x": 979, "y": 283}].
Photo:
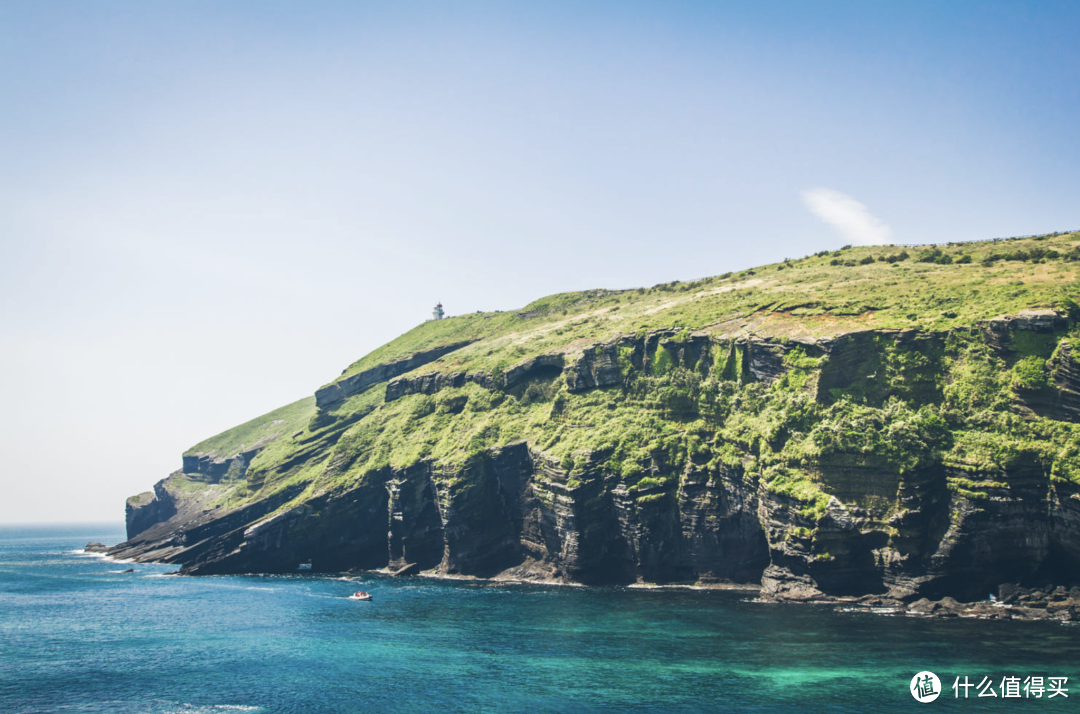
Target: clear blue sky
[{"x": 208, "y": 209}]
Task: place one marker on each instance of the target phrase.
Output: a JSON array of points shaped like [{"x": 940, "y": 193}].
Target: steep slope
[{"x": 872, "y": 420}]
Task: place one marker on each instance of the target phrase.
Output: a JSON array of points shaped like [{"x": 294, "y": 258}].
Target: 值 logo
[{"x": 925, "y": 686}]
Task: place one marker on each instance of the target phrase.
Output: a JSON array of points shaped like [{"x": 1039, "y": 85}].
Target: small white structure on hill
[{"x": 437, "y": 313}]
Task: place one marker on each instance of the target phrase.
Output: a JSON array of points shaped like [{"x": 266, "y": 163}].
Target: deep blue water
[{"x": 77, "y": 636}]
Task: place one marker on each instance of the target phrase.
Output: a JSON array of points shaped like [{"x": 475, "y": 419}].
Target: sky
[{"x": 209, "y": 209}]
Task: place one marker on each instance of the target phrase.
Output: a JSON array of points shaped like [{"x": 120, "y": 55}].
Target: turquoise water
[{"x": 77, "y": 636}]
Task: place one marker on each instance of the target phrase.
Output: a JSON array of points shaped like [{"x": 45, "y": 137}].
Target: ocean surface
[{"x": 76, "y": 635}]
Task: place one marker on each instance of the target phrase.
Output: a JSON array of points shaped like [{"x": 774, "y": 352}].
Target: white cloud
[{"x": 852, "y": 219}]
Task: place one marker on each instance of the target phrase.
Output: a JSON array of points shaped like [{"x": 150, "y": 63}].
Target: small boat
[{"x": 360, "y": 595}]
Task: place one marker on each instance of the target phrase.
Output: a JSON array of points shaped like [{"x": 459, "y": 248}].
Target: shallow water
[{"x": 78, "y": 636}]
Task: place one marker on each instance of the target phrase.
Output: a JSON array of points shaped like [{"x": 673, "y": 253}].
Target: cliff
[{"x": 808, "y": 426}]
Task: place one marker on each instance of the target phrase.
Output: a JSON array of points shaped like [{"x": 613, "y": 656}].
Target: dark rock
[
  {"x": 1009, "y": 592},
  {"x": 410, "y": 569},
  {"x": 595, "y": 367},
  {"x": 148, "y": 509},
  {"x": 433, "y": 382},
  {"x": 94, "y": 547},
  {"x": 765, "y": 360},
  {"x": 780, "y": 584},
  {"x": 344, "y": 388},
  {"x": 210, "y": 468},
  {"x": 538, "y": 367}
]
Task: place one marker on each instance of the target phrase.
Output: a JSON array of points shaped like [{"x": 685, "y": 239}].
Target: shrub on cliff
[
  {"x": 1029, "y": 373},
  {"x": 894, "y": 437}
]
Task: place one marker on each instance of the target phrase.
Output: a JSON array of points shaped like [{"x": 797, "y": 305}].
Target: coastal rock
[
  {"x": 1016, "y": 603},
  {"x": 148, "y": 509}
]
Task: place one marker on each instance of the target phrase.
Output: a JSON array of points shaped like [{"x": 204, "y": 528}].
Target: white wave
[
  {"x": 184, "y": 708},
  {"x": 103, "y": 556},
  {"x": 90, "y": 555}
]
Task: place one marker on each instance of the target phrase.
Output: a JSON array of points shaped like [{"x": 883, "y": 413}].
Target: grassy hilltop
[
  {"x": 956, "y": 401},
  {"x": 829, "y": 293}
]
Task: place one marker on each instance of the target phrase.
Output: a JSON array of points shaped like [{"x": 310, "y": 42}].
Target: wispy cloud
[{"x": 850, "y": 217}]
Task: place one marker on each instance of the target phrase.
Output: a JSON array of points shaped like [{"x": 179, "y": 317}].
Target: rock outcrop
[
  {"x": 215, "y": 468},
  {"x": 148, "y": 509},
  {"x": 1059, "y": 398},
  {"x": 1000, "y": 331},
  {"x": 354, "y": 384},
  {"x": 433, "y": 382}
]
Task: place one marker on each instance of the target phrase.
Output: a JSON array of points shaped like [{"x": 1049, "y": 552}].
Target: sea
[{"x": 79, "y": 635}]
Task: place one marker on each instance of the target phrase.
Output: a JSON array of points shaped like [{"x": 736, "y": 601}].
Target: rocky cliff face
[
  {"x": 340, "y": 390},
  {"x": 806, "y": 506},
  {"x": 148, "y": 509},
  {"x": 510, "y": 511},
  {"x": 513, "y": 512}
]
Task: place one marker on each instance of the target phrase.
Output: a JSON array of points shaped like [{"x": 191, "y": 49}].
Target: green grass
[
  {"x": 808, "y": 297},
  {"x": 282, "y": 421}
]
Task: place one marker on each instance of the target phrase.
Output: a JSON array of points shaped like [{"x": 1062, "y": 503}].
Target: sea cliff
[{"x": 865, "y": 422}]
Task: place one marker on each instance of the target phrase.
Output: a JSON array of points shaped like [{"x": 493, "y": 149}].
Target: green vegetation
[
  {"x": 1029, "y": 373},
  {"x": 693, "y": 402},
  {"x": 816, "y": 296},
  {"x": 262, "y": 430}
]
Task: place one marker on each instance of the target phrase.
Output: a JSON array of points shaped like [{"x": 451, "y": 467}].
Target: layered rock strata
[{"x": 515, "y": 512}]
